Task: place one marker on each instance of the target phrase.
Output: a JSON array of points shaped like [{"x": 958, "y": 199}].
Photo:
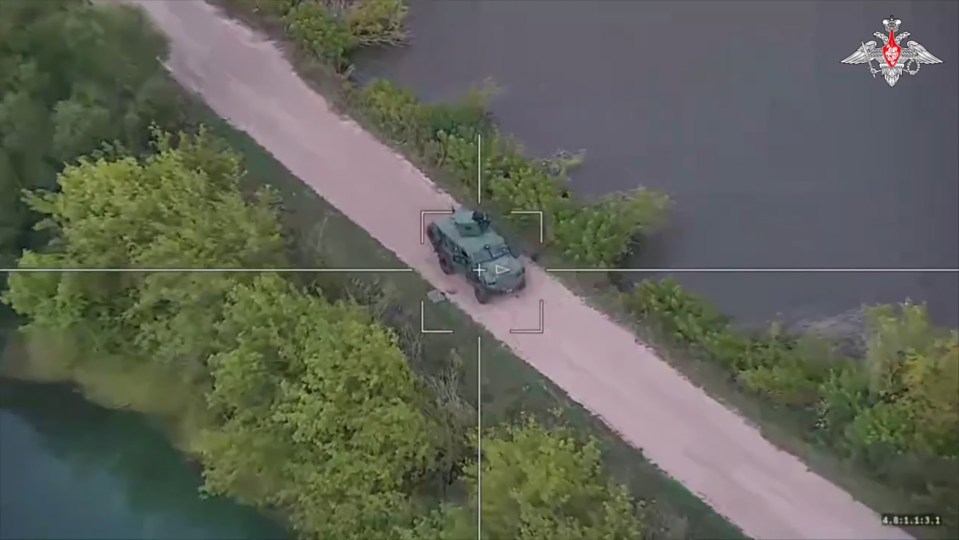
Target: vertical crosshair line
[
  {"x": 479, "y": 438},
  {"x": 479, "y": 168}
]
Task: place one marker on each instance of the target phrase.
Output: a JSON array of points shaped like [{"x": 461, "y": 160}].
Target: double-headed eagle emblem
[{"x": 892, "y": 60}]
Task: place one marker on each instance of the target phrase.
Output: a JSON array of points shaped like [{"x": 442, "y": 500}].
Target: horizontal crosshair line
[
  {"x": 557, "y": 270},
  {"x": 206, "y": 270},
  {"x": 765, "y": 270}
]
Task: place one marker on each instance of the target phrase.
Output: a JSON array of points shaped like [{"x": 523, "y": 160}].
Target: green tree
[
  {"x": 529, "y": 187},
  {"x": 73, "y": 75},
  {"x": 913, "y": 373},
  {"x": 394, "y": 110},
  {"x": 318, "y": 32},
  {"x": 321, "y": 415},
  {"x": 311, "y": 405},
  {"x": 602, "y": 233},
  {"x": 377, "y": 22},
  {"x": 543, "y": 483},
  {"x": 181, "y": 208}
]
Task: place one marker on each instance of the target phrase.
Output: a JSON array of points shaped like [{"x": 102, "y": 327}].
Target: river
[
  {"x": 72, "y": 470},
  {"x": 775, "y": 153}
]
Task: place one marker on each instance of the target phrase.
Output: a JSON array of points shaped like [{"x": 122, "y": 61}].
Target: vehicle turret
[{"x": 471, "y": 224}]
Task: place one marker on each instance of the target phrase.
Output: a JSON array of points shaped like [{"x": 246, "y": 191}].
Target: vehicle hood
[{"x": 503, "y": 273}]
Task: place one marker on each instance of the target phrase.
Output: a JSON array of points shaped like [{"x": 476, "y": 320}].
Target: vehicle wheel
[
  {"x": 482, "y": 295},
  {"x": 432, "y": 235},
  {"x": 445, "y": 264}
]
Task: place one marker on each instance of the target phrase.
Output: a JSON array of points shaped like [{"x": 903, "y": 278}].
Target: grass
[{"x": 324, "y": 237}]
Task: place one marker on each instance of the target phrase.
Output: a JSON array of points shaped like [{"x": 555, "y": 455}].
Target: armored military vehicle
[{"x": 466, "y": 244}]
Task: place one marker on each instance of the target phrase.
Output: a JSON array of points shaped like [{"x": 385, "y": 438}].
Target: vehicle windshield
[{"x": 491, "y": 254}]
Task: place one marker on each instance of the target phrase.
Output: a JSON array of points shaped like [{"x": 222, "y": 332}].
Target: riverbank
[
  {"x": 105, "y": 473},
  {"x": 780, "y": 423}
]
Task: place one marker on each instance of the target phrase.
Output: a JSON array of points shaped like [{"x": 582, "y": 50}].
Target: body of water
[
  {"x": 776, "y": 154},
  {"x": 71, "y": 470}
]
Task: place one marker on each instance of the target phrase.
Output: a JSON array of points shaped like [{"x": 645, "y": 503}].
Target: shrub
[
  {"x": 682, "y": 316},
  {"x": 601, "y": 234},
  {"x": 332, "y": 29},
  {"x": 316, "y": 31},
  {"x": 895, "y": 412},
  {"x": 321, "y": 414},
  {"x": 394, "y": 111},
  {"x": 913, "y": 373},
  {"x": 528, "y": 187},
  {"x": 377, "y": 22},
  {"x": 276, "y": 8},
  {"x": 785, "y": 384},
  {"x": 541, "y": 482}
]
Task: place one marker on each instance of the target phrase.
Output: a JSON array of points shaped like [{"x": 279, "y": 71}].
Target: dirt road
[{"x": 766, "y": 492}]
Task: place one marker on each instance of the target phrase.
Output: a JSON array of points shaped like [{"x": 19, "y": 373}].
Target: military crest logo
[{"x": 892, "y": 60}]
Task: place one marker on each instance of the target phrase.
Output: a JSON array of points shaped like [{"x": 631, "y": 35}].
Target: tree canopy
[
  {"x": 73, "y": 75},
  {"x": 912, "y": 369},
  {"x": 181, "y": 208},
  {"x": 321, "y": 414},
  {"x": 540, "y": 482},
  {"x": 312, "y": 406},
  {"x": 893, "y": 409}
]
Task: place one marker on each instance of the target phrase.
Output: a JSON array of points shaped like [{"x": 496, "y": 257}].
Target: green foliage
[
  {"x": 320, "y": 414},
  {"x": 680, "y": 314},
  {"x": 72, "y": 76},
  {"x": 601, "y": 234},
  {"x": 785, "y": 383},
  {"x": 331, "y": 30},
  {"x": 316, "y": 31},
  {"x": 895, "y": 411},
  {"x": 377, "y": 22},
  {"x": 913, "y": 371},
  {"x": 395, "y": 111},
  {"x": 529, "y": 187},
  {"x": 324, "y": 422},
  {"x": 277, "y": 8},
  {"x": 465, "y": 118},
  {"x": 180, "y": 208},
  {"x": 543, "y": 483}
]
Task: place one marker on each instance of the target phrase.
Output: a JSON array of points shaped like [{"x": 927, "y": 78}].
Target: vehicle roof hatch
[{"x": 471, "y": 224}]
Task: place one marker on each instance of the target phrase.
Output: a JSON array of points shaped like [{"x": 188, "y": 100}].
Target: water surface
[{"x": 71, "y": 470}]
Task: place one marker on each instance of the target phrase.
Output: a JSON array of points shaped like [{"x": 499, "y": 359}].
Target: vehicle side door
[{"x": 460, "y": 259}]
